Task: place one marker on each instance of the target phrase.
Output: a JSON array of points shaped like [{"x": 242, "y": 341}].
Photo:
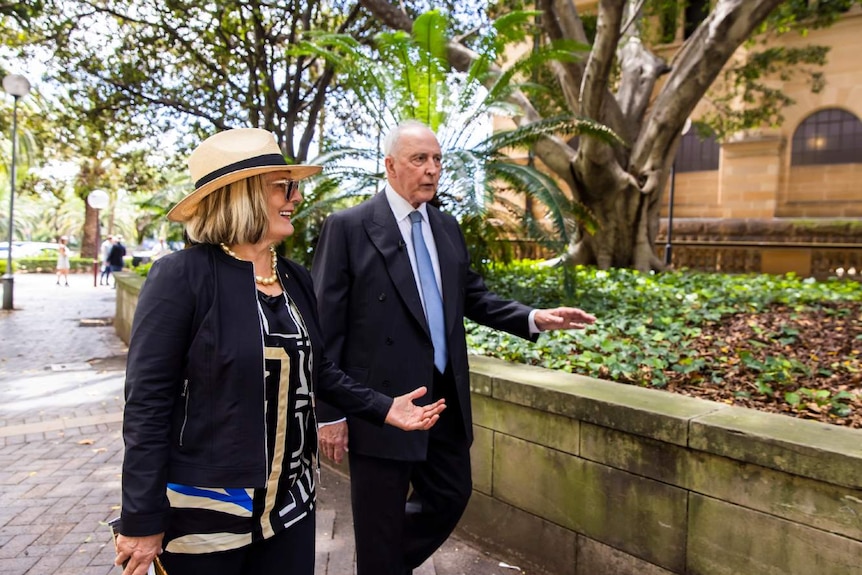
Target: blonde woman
[{"x": 225, "y": 363}]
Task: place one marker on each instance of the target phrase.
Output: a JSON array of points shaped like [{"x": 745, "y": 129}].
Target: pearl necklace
[{"x": 258, "y": 279}]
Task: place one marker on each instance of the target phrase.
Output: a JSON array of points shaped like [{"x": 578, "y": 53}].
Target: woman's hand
[
  {"x": 138, "y": 551},
  {"x": 404, "y": 414}
]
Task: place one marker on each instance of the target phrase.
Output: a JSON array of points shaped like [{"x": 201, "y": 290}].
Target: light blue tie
[{"x": 433, "y": 301}]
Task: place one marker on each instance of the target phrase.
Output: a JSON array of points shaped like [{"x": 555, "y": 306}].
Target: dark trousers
[
  {"x": 404, "y": 510},
  {"x": 289, "y": 552}
]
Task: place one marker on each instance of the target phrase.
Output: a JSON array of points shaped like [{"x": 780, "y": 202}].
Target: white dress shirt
[{"x": 402, "y": 209}]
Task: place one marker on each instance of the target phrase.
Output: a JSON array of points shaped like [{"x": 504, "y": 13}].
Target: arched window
[
  {"x": 830, "y": 136},
  {"x": 696, "y": 153}
]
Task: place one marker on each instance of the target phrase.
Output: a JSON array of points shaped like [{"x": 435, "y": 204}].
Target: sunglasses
[{"x": 291, "y": 187}]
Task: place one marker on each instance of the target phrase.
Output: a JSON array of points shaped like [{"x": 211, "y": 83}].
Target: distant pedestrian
[
  {"x": 63, "y": 262},
  {"x": 104, "y": 250},
  {"x": 116, "y": 255}
]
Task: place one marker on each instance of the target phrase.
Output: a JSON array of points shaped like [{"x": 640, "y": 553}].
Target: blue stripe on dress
[{"x": 238, "y": 497}]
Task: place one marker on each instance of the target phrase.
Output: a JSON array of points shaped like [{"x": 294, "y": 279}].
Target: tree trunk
[
  {"x": 89, "y": 243},
  {"x": 624, "y": 186}
]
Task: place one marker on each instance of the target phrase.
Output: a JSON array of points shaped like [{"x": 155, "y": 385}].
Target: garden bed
[{"x": 773, "y": 343}]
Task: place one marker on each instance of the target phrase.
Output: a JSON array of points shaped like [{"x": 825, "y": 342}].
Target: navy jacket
[
  {"x": 194, "y": 409},
  {"x": 373, "y": 321}
]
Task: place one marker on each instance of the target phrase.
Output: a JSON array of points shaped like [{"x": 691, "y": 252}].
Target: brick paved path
[{"x": 61, "y": 385}]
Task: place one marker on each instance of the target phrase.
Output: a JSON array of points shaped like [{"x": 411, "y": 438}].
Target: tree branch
[
  {"x": 695, "y": 68},
  {"x": 594, "y": 87},
  {"x": 561, "y": 21}
]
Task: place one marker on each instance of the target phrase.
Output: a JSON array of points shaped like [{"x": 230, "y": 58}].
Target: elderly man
[{"x": 394, "y": 283}]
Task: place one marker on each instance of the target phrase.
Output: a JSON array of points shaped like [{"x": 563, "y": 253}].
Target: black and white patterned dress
[{"x": 207, "y": 520}]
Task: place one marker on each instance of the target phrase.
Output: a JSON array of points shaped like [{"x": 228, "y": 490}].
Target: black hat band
[{"x": 256, "y": 162}]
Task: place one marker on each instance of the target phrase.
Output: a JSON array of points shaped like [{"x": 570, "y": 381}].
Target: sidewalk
[{"x": 61, "y": 395}]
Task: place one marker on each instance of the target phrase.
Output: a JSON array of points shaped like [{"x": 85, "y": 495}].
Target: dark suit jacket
[{"x": 373, "y": 322}]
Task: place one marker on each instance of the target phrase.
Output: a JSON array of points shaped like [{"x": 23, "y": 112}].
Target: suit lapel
[{"x": 383, "y": 231}]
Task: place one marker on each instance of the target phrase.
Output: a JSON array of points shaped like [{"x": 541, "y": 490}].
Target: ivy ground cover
[{"x": 774, "y": 343}]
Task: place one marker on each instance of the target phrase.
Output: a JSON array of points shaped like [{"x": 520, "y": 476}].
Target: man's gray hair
[{"x": 395, "y": 133}]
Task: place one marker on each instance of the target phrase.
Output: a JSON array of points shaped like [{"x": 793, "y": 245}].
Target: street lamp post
[
  {"x": 98, "y": 200},
  {"x": 668, "y": 247},
  {"x": 18, "y": 86}
]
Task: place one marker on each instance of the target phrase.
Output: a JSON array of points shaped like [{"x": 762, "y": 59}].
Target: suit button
[
  {"x": 381, "y": 297},
  {"x": 386, "y": 383},
  {"x": 389, "y": 341}
]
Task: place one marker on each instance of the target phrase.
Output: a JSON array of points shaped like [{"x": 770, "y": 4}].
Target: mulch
[{"x": 814, "y": 354}]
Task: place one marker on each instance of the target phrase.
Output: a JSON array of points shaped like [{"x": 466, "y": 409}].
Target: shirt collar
[{"x": 401, "y": 208}]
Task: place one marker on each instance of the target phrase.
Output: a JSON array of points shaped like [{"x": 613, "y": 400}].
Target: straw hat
[{"x": 231, "y": 156}]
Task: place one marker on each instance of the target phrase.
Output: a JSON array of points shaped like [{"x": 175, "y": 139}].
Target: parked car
[{"x": 24, "y": 249}]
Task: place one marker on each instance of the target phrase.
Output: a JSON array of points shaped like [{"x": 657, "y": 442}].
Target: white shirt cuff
[
  {"x": 321, "y": 424},
  {"x": 532, "y": 321}
]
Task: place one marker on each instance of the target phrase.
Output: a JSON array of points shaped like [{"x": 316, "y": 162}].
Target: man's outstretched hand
[
  {"x": 406, "y": 415},
  {"x": 562, "y": 318}
]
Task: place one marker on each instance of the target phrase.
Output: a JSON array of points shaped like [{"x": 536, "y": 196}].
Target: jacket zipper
[{"x": 185, "y": 395}]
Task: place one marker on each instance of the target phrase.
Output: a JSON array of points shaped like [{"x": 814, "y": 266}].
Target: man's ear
[{"x": 389, "y": 162}]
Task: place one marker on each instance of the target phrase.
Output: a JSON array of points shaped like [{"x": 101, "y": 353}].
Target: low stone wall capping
[
  {"x": 578, "y": 476},
  {"x": 574, "y": 475}
]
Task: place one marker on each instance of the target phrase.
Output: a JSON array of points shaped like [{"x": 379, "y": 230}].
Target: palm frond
[
  {"x": 514, "y": 26},
  {"x": 528, "y": 134},
  {"x": 429, "y": 34},
  {"x": 334, "y": 156},
  {"x": 539, "y": 186}
]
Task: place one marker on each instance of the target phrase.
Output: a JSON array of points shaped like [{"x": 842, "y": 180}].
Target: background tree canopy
[{"x": 159, "y": 76}]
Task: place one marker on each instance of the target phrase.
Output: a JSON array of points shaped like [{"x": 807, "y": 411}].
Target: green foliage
[
  {"x": 187, "y": 68},
  {"x": 407, "y": 76},
  {"x": 751, "y": 83},
  {"x": 801, "y": 15},
  {"x": 650, "y": 326},
  {"x": 49, "y": 264},
  {"x": 143, "y": 269},
  {"x": 423, "y": 80},
  {"x": 746, "y": 97}
]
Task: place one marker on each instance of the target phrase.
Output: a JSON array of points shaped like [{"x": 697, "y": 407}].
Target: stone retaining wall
[
  {"x": 579, "y": 476},
  {"x": 128, "y": 287}
]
